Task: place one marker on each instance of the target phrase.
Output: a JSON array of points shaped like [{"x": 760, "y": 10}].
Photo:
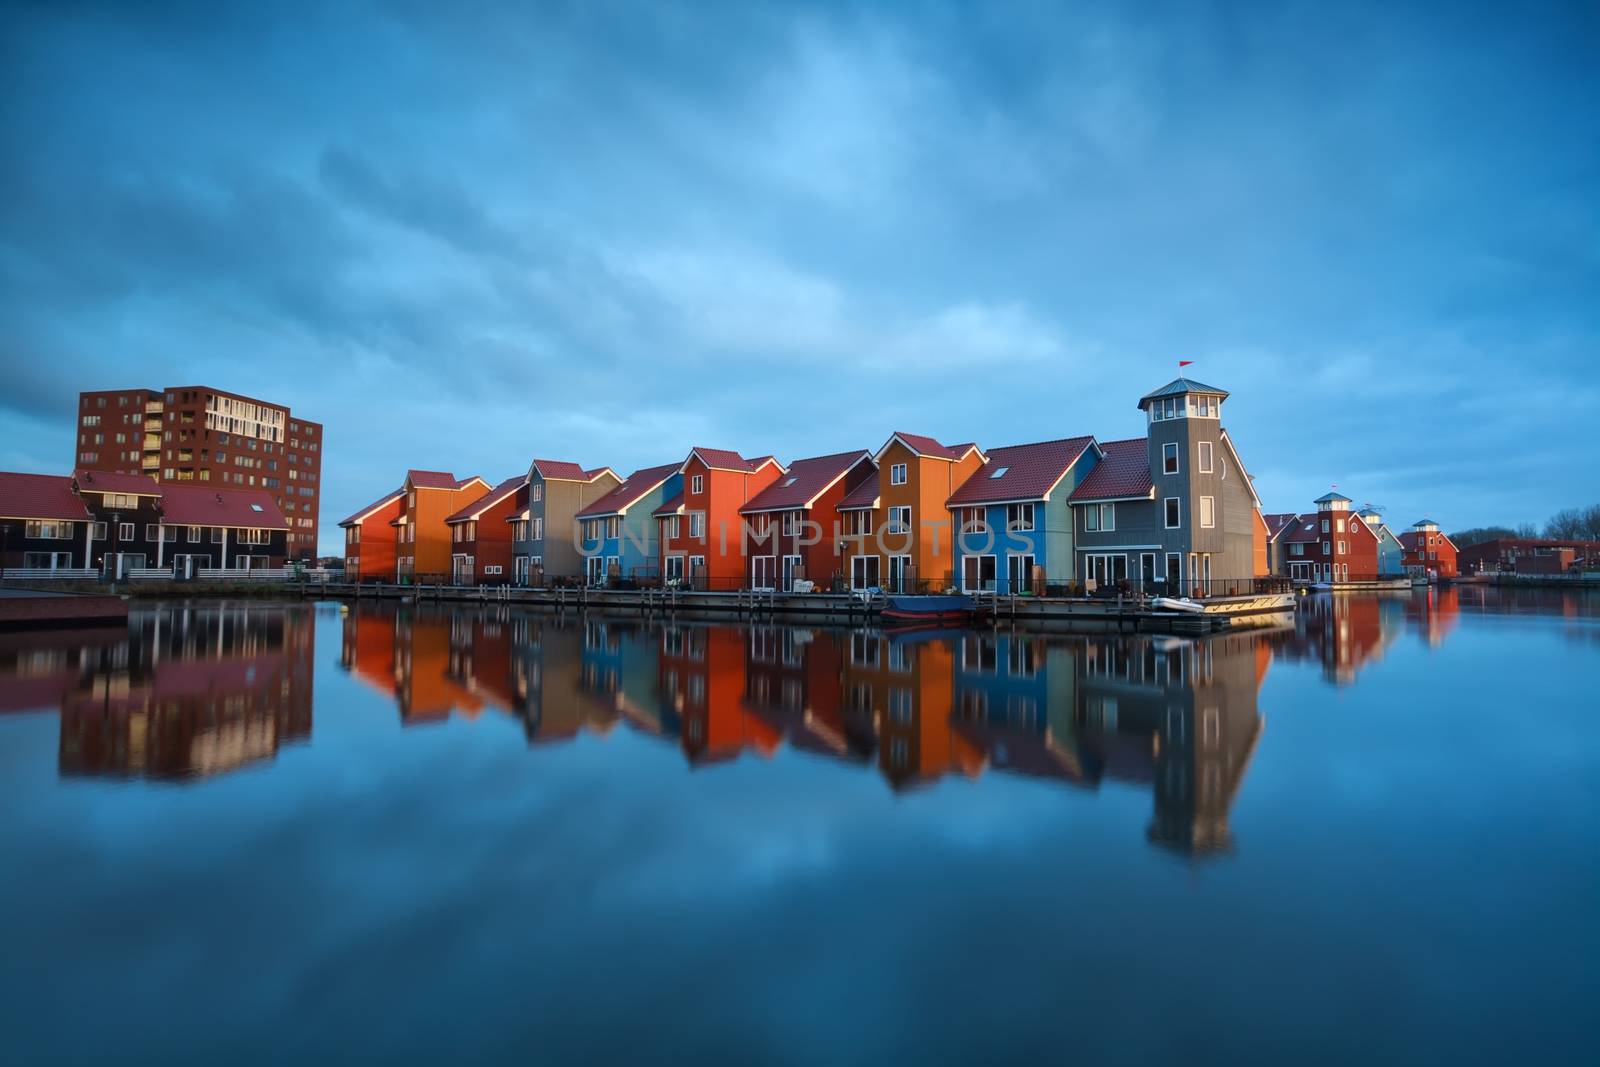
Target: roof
[
  {"x": 1424, "y": 522},
  {"x": 1278, "y": 521},
  {"x": 113, "y": 482},
  {"x": 1332, "y": 498},
  {"x": 39, "y": 496},
  {"x": 805, "y": 480},
  {"x": 923, "y": 445},
  {"x": 722, "y": 459},
  {"x": 671, "y": 507},
  {"x": 1178, "y": 387},
  {"x": 561, "y": 471},
  {"x": 864, "y": 495},
  {"x": 631, "y": 491},
  {"x": 1123, "y": 473},
  {"x": 488, "y": 500},
  {"x": 1303, "y": 529},
  {"x": 1021, "y": 472},
  {"x": 387, "y": 498},
  {"x": 189, "y": 504},
  {"x": 432, "y": 480}
]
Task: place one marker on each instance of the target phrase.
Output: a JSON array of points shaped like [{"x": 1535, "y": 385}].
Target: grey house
[
  {"x": 1175, "y": 507},
  {"x": 545, "y": 541}
]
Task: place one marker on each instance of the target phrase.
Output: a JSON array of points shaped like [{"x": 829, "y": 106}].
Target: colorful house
[
  {"x": 618, "y": 533},
  {"x": 902, "y": 540},
  {"x": 1331, "y": 545},
  {"x": 126, "y": 508},
  {"x": 544, "y": 528},
  {"x": 794, "y": 522},
  {"x": 702, "y": 535},
  {"x": 1428, "y": 553},
  {"x": 43, "y": 524},
  {"x": 1015, "y": 509},
  {"x": 369, "y": 539},
  {"x": 1391, "y": 552},
  {"x": 480, "y": 536},
  {"x": 1183, "y": 514},
  {"x": 422, "y": 538}
]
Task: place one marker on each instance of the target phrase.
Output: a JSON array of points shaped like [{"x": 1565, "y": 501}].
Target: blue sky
[{"x": 465, "y": 235}]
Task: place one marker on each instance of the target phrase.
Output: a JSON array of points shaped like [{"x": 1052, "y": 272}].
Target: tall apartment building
[{"x": 193, "y": 433}]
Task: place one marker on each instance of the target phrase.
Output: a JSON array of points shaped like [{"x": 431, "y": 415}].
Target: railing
[
  {"x": 265, "y": 574},
  {"x": 33, "y": 574},
  {"x": 144, "y": 574}
]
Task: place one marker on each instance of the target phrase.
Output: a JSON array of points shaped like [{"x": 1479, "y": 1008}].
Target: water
[{"x": 255, "y": 833}]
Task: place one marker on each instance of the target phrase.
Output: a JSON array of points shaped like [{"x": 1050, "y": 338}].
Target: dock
[{"x": 29, "y": 609}]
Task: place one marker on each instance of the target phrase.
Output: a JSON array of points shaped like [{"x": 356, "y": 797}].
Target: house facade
[
  {"x": 795, "y": 524},
  {"x": 1013, "y": 520},
  {"x": 44, "y": 525},
  {"x": 1391, "y": 552},
  {"x": 422, "y": 538},
  {"x": 619, "y": 537},
  {"x": 1332, "y": 544},
  {"x": 1175, "y": 507},
  {"x": 1428, "y": 552},
  {"x": 369, "y": 539},
  {"x": 899, "y": 536},
  {"x": 203, "y": 526},
  {"x": 702, "y": 533},
  {"x": 544, "y": 529},
  {"x": 1524, "y": 555},
  {"x": 480, "y": 536}
]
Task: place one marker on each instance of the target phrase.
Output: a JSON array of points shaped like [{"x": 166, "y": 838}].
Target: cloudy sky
[{"x": 464, "y": 235}]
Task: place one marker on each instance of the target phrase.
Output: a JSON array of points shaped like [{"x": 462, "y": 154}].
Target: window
[
  {"x": 1019, "y": 517},
  {"x": 791, "y": 521},
  {"x": 46, "y": 531},
  {"x": 125, "y": 531},
  {"x": 1169, "y": 458},
  {"x": 613, "y": 526},
  {"x": 1108, "y": 517},
  {"x": 672, "y": 528},
  {"x": 900, "y": 519},
  {"x": 999, "y": 472},
  {"x": 99, "y": 531},
  {"x": 1208, "y": 508},
  {"x": 1102, "y": 517},
  {"x": 1324, "y": 525},
  {"x": 1343, "y": 547},
  {"x": 1205, "y": 457},
  {"x": 535, "y": 492},
  {"x": 1325, "y": 548},
  {"x": 697, "y": 484},
  {"x": 1091, "y": 518},
  {"x": 697, "y": 524},
  {"x": 1170, "y": 408},
  {"x": 897, "y": 474},
  {"x": 1174, "y": 513}
]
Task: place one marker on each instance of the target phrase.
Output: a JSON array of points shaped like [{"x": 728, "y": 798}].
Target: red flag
[{"x": 1185, "y": 362}]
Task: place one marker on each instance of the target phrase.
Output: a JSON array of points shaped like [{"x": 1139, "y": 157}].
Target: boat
[
  {"x": 949, "y": 608},
  {"x": 1173, "y": 603}
]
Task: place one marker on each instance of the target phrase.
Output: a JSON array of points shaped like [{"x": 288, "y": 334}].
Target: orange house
[
  {"x": 422, "y": 538},
  {"x": 701, "y": 673},
  {"x": 481, "y": 535},
  {"x": 896, "y": 531},
  {"x": 907, "y": 687},
  {"x": 702, "y": 535},
  {"x": 369, "y": 541}
]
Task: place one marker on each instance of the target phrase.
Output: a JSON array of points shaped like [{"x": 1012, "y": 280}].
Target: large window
[
  {"x": 1100, "y": 517},
  {"x": 1019, "y": 517},
  {"x": 1169, "y": 458},
  {"x": 1174, "y": 513},
  {"x": 697, "y": 524},
  {"x": 897, "y": 474},
  {"x": 900, "y": 519},
  {"x": 47, "y": 531}
]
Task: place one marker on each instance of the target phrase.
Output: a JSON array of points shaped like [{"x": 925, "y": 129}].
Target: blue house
[
  {"x": 1013, "y": 526},
  {"x": 619, "y": 537},
  {"x": 1391, "y": 553}
]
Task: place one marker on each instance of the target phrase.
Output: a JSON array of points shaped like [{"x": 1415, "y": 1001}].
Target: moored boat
[{"x": 947, "y": 608}]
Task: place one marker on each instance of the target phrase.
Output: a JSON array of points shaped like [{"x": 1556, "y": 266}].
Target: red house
[
  {"x": 369, "y": 543},
  {"x": 1428, "y": 553},
  {"x": 703, "y": 524},
  {"x": 481, "y": 536},
  {"x": 793, "y": 522},
  {"x": 1331, "y": 545}
]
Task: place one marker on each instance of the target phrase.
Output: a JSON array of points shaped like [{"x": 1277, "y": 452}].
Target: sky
[{"x": 466, "y": 235}]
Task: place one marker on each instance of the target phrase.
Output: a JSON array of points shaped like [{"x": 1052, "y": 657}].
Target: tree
[
  {"x": 1574, "y": 524},
  {"x": 1479, "y": 534}
]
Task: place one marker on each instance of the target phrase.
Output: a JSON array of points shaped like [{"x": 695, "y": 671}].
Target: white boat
[{"x": 1170, "y": 603}]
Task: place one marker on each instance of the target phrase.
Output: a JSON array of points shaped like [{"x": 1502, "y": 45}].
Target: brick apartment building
[{"x": 194, "y": 433}]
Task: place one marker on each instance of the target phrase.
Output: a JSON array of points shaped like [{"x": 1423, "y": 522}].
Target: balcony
[
  {"x": 152, "y": 442},
  {"x": 153, "y": 408}
]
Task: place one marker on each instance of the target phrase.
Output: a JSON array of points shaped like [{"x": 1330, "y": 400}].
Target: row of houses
[
  {"x": 111, "y": 524},
  {"x": 1174, "y": 507},
  {"x": 1336, "y": 543}
]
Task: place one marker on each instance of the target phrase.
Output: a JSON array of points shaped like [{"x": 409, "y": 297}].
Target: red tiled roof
[
  {"x": 387, "y": 498},
  {"x": 637, "y": 484},
  {"x": 188, "y": 504},
  {"x": 39, "y": 496},
  {"x": 724, "y": 460},
  {"x": 1122, "y": 473},
  {"x": 864, "y": 495},
  {"x": 1302, "y": 529},
  {"x": 488, "y": 500},
  {"x": 591, "y": 475},
  {"x": 1020, "y": 472},
  {"x": 806, "y": 480},
  {"x": 670, "y": 507},
  {"x": 561, "y": 470},
  {"x": 926, "y": 446},
  {"x": 112, "y": 482},
  {"x": 431, "y": 480},
  {"x": 1277, "y": 521}
]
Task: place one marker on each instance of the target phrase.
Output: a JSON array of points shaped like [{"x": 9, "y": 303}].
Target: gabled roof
[
  {"x": 39, "y": 496},
  {"x": 1123, "y": 473},
  {"x": 557, "y": 470},
  {"x": 507, "y": 488},
  {"x": 112, "y": 482},
  {"x": 382, "y": 501},
  {"x": 1411, "y": 540},
  {"x": 1021, "y": 472},
  {"x": 431, "y": 480},
  {"x": 637, "y": 485},
  {"x": 671, "y": 507},
  {"x": 1277, "y": 522},
  {"x": 721, "y": 459},
  {"x": 189, "y": 504},
  {"x": 1249, "y": 480},
  {"x": 1303, "y": 529},
  {"x": 1178, "y": 387},
  {"x": 923, "y": 445},
  {"x": 464, "y": 482},
  {"x": 805, "y": 481},
  {"x": 861, "y": 497}
]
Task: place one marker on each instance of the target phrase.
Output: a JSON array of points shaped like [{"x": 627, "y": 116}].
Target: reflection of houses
[
  {"x": 701, "y": 679},
  {"x": 188, "y": 692},
  {"x": 1014, "y": 697},
  {"x": 1342, "y": 633},
  {"x": 906, "y": 686},
  {"x": 1434, "y": 612},
  {"x": 792, "y": 682}
]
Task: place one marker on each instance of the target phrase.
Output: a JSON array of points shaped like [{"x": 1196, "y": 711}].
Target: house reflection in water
[{"x": 181, "y": 693}]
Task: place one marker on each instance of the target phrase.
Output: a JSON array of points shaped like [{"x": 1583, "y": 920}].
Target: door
[
  {"x": 519, "y": 570},
  {"x": 899, "y": 572},
  {"x": 674, "y": 570},
  {"x": 594, "y": 570},
  {"x": 762, "y": 571},
  {"x": 1019, "y": 573},
  {"x": 1174, "y": 574},
  {"x": 863, "y": 572},
  {"x": 792, "y": 570}
]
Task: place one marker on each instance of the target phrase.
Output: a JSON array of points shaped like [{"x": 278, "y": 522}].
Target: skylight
[
  {"x": 789, "y": 481},
  {"x": 999, "y": 472},
  {"x": 255, "y": 507}
]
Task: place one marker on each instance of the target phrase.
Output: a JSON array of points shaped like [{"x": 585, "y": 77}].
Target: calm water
[{"x": 255, "y": 833}]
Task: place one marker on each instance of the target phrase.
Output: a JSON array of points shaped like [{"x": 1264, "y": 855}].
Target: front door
[
  {"x": 594, "y": 570},
  {"x": 1174, "y": 574},
  {"x": 1019, "y": 573},
  {"x": 674, "y": 570},
  {"x": 899, "y": 573},
  {"x": 762, "y": 570},
  {"x": 863, "y": 572},
  {"x": 519, "y": 570},
  {"x": 791, "y": 571}
]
